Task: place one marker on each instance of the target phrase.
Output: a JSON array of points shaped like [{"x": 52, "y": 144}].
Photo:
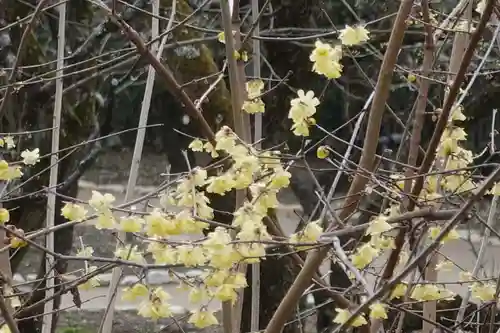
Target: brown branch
[
  {"x": 165, "y": 74},
  {"x": 416, "y": 134}
]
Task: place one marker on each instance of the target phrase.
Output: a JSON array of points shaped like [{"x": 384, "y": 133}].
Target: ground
[{"x": 130, "y": 322}]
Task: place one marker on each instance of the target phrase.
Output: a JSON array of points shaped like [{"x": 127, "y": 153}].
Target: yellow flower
[
  {"x": 130, "y": 253},
  {"x": 5, "y": 329},
  {"x": 163, "y": 254},
  {"x": 9, "y": 141},
  {"x": 435, "y": 231},
  {"x": 300, "y": 128},
  {"x": 353, "y": 35},
  {"x": 364, "y": 256},
  {"x": 312, "y": 231},
  {"x": 105, "y": 220},
  {"x": 202, "y": 318},
  {"x": 196, "y": 145},
  {"x": 382, "y": 243},
  {"x": 322, "y": 152},
  {"x": 132, "y": 293},
  {"x": 220, "y": 184},
  {"x": 457, "y": 113},
  {"x": 326, "y": 60},
  {"x": 238, "y": 280},
  {"x": 16, "y": 242},
  {"x": 4, "y": 215},
  {"x": 254, "y": 106},
  {"x": 156, "y": 307},
  {"x": 304, "y": 106},
  {"x": 101, "y": 202},
  {"x": 426, "y": 292},
  {"x": 209, "y": 148},
  {"x": 252, "y": 252},
  {"x": 398, "y": 291},
  {"x": 483, "y": 291},
  {"x": 198, "y": 294},
  {"x": 216, "y": 278},
  {"x": 343, "y": 315},
  {"x": 131, "y": 223},
  {"x": 191, "y": 256},
  {"x": 218, "y": 239},
  {"x": 280, "y": 179},
  {"x": 74, "y": 212},
  {"x": 9, "y": 173},
  {"x": 221, "y": 37},
  {"x": 378, "y": 226},
  {"x": 254, "y": 88},
  {"x": 31, "y": 157},
  {"x": 226, "y": 293},
  {"x": 495, "y": 190},
  {"x": 411, "y": 78},
  {"x": 91, "y": 283},
  {"x": 157, "y": 224},
  {"x": 377, "y": 311}
]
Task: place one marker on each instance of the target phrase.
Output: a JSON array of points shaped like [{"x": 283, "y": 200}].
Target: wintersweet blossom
[
  {"x": 191, "y": 256},
  {"x": 130, "y": 253},
  {"x": 8, "y": 141},
  {"x": 301, "y": 112},
  {"x": 156, "y": 306},
  {"x": 198, "y": 294},
  {"x": 378, "y": 311},
  {"x": 451, "y": 235},
  {"x": 495, "y": 190},
  {"x": 101, "y": 202},
  {"x": 74, "y": 212},
  {"x": 398, "y": 291},
  {"x": 364, "y": 255},
  {"x": 322, "y": 152},
  {"x": 196, "y": 145},
  {"x": 426, "y": 292},
  {"x": 4, "y": 215},
  {"x": 310, "y": 234},
  {"x": 136, "y": 291},
  {"x": 350, "y": 36},
  {"x": 9, "y": 173},
  {"x": 343, "y": 315},
  {"x": 91, "y": 283},
  {"x": 203, "y": 318},
  {"x": 226, "y": 293},
  {"x": 31, "y": 157},
  {"x": 485, "y": 292},
  {"x": 254, "y": 103},
  {"x": 326, "y": 59},
  {"x": 105, "y": 220},
  {"x": 131, "y": 223},
  {"x": 378, "y": 225}
]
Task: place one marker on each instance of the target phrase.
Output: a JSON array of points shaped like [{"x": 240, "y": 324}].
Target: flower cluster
[
  {"x": 302, "y": 111},
  {"x": 254, "y": 103}
]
